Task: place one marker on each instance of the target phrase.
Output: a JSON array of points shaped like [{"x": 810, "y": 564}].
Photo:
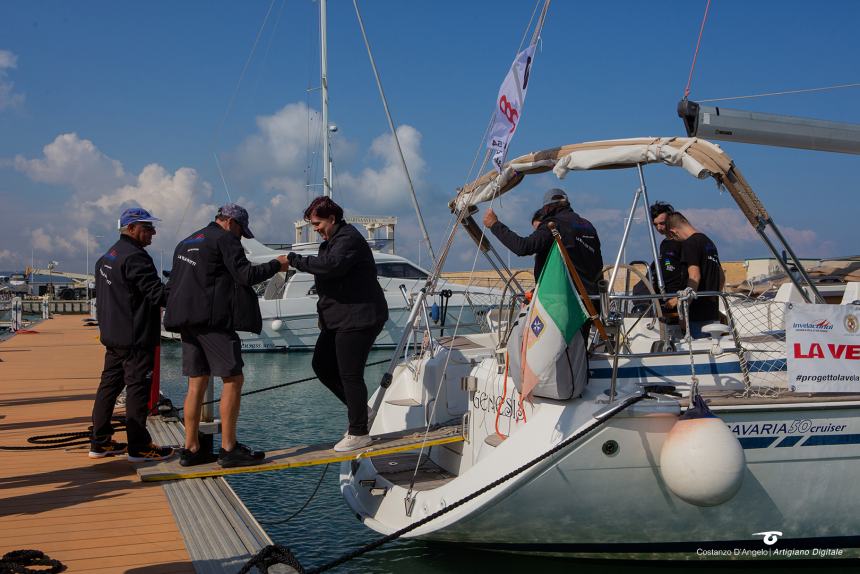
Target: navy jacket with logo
[
  {"x": 577, "y": 234},
  {"x": 129, "y": 295},
  {"x": 210, "y": 284},
  {"x": 350, "y": 298}
]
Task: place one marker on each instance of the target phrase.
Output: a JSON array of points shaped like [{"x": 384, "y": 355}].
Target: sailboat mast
[{"x": 327, "y": 179}]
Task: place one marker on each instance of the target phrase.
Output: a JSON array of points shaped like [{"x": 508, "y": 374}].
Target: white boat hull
[{"x": 801, "y": 463}]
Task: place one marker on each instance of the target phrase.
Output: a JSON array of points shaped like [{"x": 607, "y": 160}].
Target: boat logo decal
[
  {"x": 770, "y": 536},
  {"x": 851, "y": 323},
  {"x": 537, "y": 326}
]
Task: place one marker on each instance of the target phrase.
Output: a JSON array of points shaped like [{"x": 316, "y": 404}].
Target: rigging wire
[
  {"x": 220, "y": 127},
  {"x": 696, "y": 53},
  {"x": 802, "y": 91},
  {"x": 394, "y": 134}
]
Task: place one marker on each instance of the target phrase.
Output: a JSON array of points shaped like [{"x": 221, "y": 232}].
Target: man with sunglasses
[
  {"x": 210, "y": 299},
  {"x": 130, "y": 296}
]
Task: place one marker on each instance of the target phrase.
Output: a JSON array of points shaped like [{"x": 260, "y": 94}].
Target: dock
[{"x": 96, "y": 515}]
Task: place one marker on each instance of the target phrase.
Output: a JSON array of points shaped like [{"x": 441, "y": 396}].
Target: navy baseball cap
[
  {"x": 240, "y": 215},
  {"x": 555, "y": 195},
  {"x": 135, "y": 215}
]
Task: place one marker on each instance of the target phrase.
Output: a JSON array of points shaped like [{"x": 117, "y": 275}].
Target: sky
[{"x": 106, "y": 105}]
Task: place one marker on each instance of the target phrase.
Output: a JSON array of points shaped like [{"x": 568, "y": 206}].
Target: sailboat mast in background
[{"x": 326, "y": 142}]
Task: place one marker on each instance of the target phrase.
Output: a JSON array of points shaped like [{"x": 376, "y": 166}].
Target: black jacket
[
  {"x": 578, "y": 236},
  {"x": 350, "y": 298},
  {"x": 130, "y": 296},
  {"x": 210, "y": 284}
]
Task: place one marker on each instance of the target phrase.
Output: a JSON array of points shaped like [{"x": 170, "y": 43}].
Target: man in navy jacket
[
  {"x": 130, "y": 296},
  {"x": 210, "y": 299}
]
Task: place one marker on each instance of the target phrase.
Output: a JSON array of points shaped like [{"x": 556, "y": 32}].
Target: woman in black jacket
[{"x": 352, "y": 311}]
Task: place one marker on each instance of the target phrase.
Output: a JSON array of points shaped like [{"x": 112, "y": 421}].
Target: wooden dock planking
[
  {"x": 92, "y": 515},
  {"x": 299, "y": 456}
]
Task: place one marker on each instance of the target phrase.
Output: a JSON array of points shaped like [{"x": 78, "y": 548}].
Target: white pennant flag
[{"x": 509, "y": 105}]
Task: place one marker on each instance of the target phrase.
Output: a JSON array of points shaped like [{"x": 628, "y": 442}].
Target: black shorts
[{"x": 211, "y": 353}]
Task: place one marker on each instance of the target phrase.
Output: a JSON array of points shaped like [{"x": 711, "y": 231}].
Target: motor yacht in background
[{"x": 288, "y": 302}]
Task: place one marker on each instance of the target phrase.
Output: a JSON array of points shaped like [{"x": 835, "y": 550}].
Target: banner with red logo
[
  {"x": 823, "y": 348},
  {"x": 509, "y": 106}
]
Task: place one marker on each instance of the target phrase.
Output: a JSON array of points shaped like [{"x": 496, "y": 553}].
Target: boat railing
[{"x": 756, "y": 327}]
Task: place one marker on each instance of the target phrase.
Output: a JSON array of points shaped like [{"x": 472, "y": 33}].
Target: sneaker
[
  {"x": 241, "y": 455},
  {"x": 192, "y": 458},
  {"x": 110, "y": 448},
  {"x": 353, "y": 442},
  {"x": 151, "y": 453}
]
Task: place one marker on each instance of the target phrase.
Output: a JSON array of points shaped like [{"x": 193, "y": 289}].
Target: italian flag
[{"x": 555, "y": 315}]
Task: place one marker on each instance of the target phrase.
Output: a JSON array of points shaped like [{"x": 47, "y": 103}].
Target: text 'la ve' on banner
[{"x": 823, "y": 347}]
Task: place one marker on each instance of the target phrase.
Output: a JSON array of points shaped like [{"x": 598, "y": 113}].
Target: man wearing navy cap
[
  {"x": 210, "y": 299},
  {"x": 130, "y": 297}
]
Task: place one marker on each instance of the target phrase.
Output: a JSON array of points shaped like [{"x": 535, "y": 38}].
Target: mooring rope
[{"x": 65, "y": 439}]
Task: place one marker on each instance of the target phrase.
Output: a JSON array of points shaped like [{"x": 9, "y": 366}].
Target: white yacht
[
  {"x": 587, "y": 474},
  {"x": 288, "y": 302}
]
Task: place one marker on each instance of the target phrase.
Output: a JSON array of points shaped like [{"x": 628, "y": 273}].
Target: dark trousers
[
  {"x": 130, "y": 368},
  {"x": 339, "y": 359}
]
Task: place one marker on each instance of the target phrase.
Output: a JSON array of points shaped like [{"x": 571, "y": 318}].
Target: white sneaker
[{"x": 353, "y": 442}]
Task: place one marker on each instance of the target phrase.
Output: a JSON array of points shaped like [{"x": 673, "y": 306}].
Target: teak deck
[
  {"x": 92, "y": 515},
  {"x": 306, "y": 455}
]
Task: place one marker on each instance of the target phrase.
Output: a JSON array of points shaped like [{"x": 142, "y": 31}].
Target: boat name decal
[
  {"x": 493, "y": 404},
  {"x": 777, "y": 428}
]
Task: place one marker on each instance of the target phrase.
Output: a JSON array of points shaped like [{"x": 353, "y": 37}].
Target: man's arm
[
  {"x": 140, "y": 272},
  {"x": 243, "y": 272},
  {"x": 539, "y": 240},
  {"x": 694, "y": 276}
]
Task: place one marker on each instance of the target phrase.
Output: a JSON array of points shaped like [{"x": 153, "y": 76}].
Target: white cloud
[
  {"x": 387, "y": 187},
  {"x": 177, "y": 199},
  {"x": 280, "y": 144},
  {"x": 6, "y": 255},
  {"x": 103, "y": 189},
  {"x": 733, "y": 234},
  {"x": 8, "y": 97},
  {"x": 70, "y": 160}
]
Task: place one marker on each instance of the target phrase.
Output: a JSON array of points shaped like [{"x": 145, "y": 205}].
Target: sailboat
[{"x": 587, "y": 474}]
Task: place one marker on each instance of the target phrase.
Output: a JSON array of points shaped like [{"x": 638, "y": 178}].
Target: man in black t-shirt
[
  {"x": 704, "y": 272},
  {"x": 674, "y": 272}
]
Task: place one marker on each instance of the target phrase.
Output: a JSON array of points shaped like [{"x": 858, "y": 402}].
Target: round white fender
[
  {"x": 277, "y": 324},
  {"x": 702, "y": 461}
]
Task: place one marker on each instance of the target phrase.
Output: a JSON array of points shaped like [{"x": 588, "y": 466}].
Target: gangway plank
[{"x": 305, "y": 455}]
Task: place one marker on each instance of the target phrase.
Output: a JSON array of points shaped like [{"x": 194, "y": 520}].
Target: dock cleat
[
  {"x": 241, "y": 455},
  {"x": 110, "y": 448}
]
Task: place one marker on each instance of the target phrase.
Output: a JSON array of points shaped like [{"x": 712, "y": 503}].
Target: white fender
[{"x": 702, "y": 462}]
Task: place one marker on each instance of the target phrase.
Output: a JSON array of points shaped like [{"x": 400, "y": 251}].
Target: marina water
[{"x": 307, "y": 413}]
